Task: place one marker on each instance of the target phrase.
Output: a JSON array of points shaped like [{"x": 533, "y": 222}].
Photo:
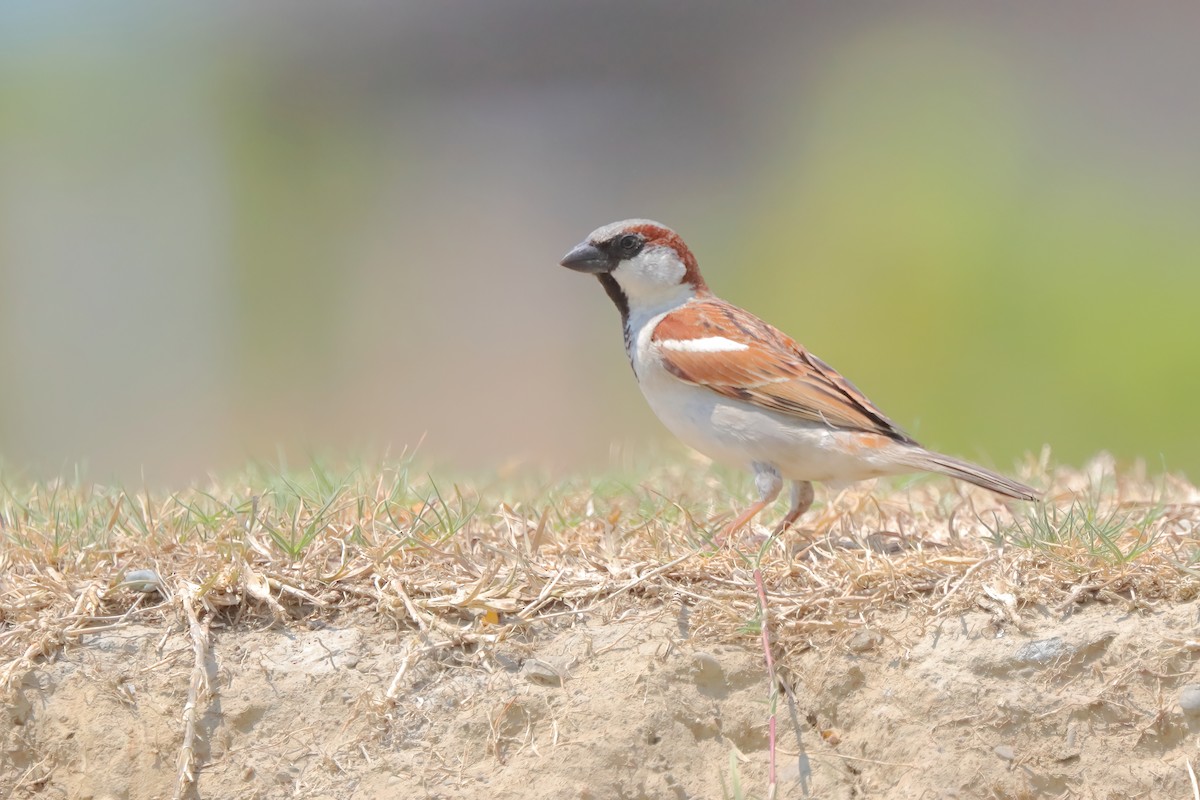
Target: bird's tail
[{"x": 929, "y": 461}]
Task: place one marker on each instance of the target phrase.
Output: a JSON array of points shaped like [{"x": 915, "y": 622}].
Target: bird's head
[{"x": 641, "y": 264}]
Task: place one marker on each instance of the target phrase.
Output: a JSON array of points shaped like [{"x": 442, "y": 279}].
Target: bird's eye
[{"x": 630, "y": 243}]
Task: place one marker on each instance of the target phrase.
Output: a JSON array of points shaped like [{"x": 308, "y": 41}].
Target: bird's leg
[
  {"x": 802, "y": 500},
  {"x": 768, "y": 482}
]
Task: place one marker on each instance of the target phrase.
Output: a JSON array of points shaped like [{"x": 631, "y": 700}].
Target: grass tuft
[{"x": 474, "y": 561}]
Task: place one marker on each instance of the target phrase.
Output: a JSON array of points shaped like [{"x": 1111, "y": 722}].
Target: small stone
[
  {"x": 508, "y": 663},
  {"x": 832, "y": 736},
  {"x": 1042, "y": 651},
  {"x": 142, "y": 580},
  {"x": 1005, "y": 752},
  {"x": 1028, "y": 659},
  {"x": 1189, "y": 698},
  {"x": 541, "y": 672},
  {"x": 864, "y": 641},
  {"x": 707, "y": 671}
]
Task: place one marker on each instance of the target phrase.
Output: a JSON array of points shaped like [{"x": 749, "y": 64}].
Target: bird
[{"x": 742, "y": 392}]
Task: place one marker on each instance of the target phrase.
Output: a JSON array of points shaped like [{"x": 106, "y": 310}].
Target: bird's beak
[{"x": 587, "y": 258}]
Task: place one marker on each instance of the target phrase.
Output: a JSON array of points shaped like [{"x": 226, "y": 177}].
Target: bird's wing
[{"x": 713, "y": 344}]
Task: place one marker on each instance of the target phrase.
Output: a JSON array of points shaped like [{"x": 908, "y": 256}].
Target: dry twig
[{"x": 198, "y": 632}]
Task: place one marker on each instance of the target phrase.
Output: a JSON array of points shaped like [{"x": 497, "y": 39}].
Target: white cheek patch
[
  {"x": 660, "y": 265},
  {"x": 709, "y": 344},
  {"x": 652, "y": 270}
]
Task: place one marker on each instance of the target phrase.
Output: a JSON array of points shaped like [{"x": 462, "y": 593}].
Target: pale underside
[
  {"x": 740, "y": 433},
  {"x": 744, "y": 433}
]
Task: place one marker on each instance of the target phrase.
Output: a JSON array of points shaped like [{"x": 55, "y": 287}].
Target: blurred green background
[{"x": 228, "y": 228}]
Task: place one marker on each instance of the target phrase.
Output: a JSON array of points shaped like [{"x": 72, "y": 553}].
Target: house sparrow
[{"x": 740, "y": 391}]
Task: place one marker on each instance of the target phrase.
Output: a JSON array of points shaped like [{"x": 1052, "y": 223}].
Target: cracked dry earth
[{"x": 1096, "y": 704}]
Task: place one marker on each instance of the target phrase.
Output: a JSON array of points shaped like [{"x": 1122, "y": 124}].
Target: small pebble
[
  {"x": 541, "y": 672},
  {"x": 1189, "y": 698},
  {"x": 1005, "y": 752},
  {"x": 142, "y": 580},
  {"x": 708, "y": 670},
  {"x": 864, "y": 641},
  {"x": 1042, "y": 651}
]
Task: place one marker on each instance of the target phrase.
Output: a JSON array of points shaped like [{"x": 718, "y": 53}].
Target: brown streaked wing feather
[{"x": 773, "y": 372}]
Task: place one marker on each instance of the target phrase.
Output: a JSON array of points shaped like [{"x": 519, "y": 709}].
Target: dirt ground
[{"x": 1078, "y": 703}]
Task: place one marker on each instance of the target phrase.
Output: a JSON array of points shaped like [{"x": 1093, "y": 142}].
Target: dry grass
[
  {"x": 473, "y": 564},
  {"x": 469, "y": 566}
]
